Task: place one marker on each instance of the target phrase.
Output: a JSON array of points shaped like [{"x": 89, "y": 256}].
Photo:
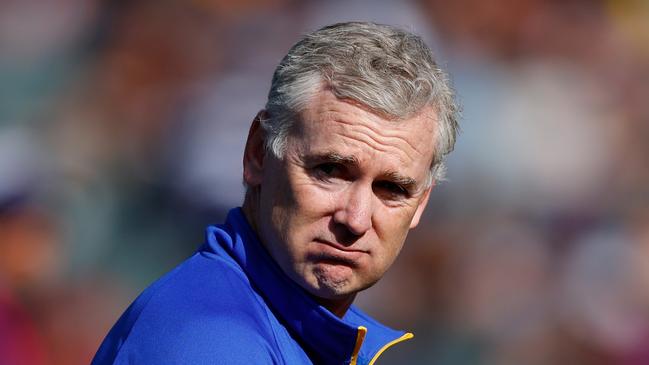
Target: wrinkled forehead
[
  {"x": 324, "y": 101},
  {"x": 326, "y": 119}
]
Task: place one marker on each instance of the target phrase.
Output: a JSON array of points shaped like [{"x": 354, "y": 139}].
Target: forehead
[{"x": 330, "y": 123}]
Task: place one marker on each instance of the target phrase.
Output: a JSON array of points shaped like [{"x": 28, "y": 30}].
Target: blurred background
[{"x": 122, "y": 125}]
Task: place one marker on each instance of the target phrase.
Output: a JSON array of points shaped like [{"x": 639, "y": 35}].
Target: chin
[{"x": 333, "y": 282}]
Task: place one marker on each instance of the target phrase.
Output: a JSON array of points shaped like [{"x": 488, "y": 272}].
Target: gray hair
[{"x": 388, "y": 70}]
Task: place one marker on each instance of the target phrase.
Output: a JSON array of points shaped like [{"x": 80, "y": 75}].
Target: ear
[
  {"x": 254, "y": 153},
  {"x": 421, "y": 206}
]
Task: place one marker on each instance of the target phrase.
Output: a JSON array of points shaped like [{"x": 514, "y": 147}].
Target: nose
[{"x": 355, "y": 210}]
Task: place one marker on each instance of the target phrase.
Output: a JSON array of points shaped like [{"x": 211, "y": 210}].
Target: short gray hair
[{"x": 388, "y": 70}]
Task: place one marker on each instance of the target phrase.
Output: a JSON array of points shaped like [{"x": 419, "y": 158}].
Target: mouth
[{"x": 333, "y": 253}]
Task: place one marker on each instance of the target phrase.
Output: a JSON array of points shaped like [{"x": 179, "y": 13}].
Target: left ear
[
  {"x": 254, "y": 153},
  {"x": 421, "y": 206}
]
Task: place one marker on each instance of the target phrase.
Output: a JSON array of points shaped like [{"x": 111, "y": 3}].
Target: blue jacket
[{"x": 230, "y": 303}]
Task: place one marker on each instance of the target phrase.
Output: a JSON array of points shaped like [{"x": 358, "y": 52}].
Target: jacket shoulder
[
  {"x": 211, "y": 340},
  {"x": 204, "y": 311}
]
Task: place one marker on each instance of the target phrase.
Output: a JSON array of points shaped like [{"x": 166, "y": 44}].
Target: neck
[
  {"x": 336, "y": 306},
  {"x": 249, "y": 210}
]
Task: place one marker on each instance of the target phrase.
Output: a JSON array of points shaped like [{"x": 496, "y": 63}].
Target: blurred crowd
[{"x": 122, "y": 125}]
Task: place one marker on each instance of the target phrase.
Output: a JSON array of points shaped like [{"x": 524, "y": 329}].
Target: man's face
[{"x": 335, "y": 210}]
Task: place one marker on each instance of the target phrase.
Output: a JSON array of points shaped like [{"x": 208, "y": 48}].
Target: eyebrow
[
  {"x": 406, "y": 182},
  {"x": 338, "y": 158}
]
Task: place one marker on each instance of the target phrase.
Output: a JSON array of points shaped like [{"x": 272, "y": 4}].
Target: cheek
[
  {"x": 393, "y": 224},
  {"x": 392, "y": 230},
  {"x": 276, "y": 200},
  {"x": 298, "y": 209},
  {"x": 312, "y": 201}
]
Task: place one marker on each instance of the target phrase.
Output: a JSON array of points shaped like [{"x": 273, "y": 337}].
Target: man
[{"x": 338, "y": 168}]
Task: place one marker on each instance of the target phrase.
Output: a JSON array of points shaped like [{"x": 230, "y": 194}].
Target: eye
[
  {"x": 390, "y": 190},
  {"x": 328, "y": 170}
]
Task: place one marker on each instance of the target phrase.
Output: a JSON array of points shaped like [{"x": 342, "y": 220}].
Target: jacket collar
[{"x": 355, "y": 339}]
